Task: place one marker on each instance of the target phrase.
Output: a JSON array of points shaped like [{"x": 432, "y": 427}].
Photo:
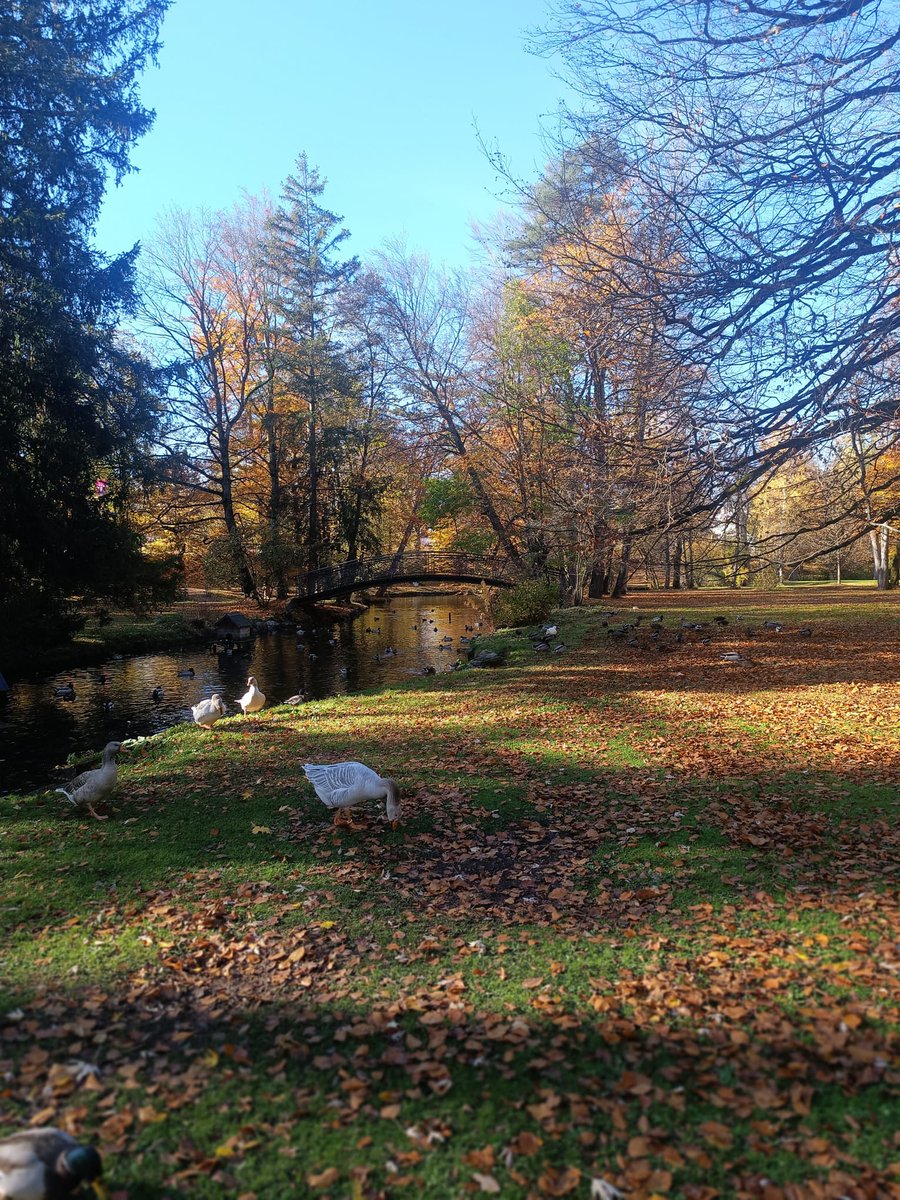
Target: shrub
[{"x": 525, "y": 604}]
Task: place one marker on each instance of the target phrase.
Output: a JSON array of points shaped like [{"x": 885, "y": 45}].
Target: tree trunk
[
  {"x": 245, "y": 575},
  {"x": 275, "y": 500},
  {"x": 621, "y": 585},
  {"x": 676, "y": 565},
  {"x": 879, "y": 539}
]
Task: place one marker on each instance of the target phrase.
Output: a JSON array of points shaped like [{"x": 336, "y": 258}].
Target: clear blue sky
[{"x": 383, "y": 95}]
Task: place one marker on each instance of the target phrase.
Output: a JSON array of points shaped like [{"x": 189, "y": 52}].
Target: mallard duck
[
  {"x": 207, "y": 712},
  {"x": 157, "y": 694},
  {"x": 66, "y": 692},
  {"x": 91, "y": 787},
  {"x": 187, "y": 673},
  {"x": 300, "y": 698},
  {"x": 253, "y": 699},
  {"x": 43, "y": 1164},
  {"x": 341, "y": 785}
]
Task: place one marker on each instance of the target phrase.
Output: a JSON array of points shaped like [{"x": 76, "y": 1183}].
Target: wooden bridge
[{"x": 415, "y": 567}]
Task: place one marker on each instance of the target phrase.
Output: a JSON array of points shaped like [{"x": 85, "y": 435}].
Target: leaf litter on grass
[{"x": 677, "y": 978}]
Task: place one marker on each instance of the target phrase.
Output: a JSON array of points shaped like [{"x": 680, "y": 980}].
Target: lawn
[{"x": 639, "y": 926}]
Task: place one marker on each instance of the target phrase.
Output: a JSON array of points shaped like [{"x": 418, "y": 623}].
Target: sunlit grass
[{"x": 642, "y": 890}]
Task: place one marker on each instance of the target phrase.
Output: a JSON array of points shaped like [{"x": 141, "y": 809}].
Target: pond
[{"x": 391, "y": 641}]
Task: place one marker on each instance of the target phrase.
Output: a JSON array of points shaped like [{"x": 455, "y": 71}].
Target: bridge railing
[{"x": 425, "y": 563}]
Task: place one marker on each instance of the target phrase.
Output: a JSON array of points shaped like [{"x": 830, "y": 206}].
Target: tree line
[{"x": 677, "y": 360}]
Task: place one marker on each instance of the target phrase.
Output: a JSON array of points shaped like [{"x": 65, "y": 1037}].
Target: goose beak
[
  {"x": 100, "y": 1190},
  {"x": 395, "y": 824}
]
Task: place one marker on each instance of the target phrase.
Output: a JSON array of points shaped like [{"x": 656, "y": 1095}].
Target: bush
[{"x": 525, "y": 604}]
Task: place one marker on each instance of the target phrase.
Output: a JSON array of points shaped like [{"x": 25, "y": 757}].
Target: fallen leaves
[{"x": 660, "y": 964}]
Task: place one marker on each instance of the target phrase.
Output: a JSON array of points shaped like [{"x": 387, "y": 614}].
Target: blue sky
[{"x": 383, "y": 95}]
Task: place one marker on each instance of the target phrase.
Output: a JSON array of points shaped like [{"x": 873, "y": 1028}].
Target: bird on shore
[
  {"x": 300, "y": 698},
  {"x": 92, "y": 787},
  {"x": 47, "y": 1164},
  {"x": 342, "y": 785},
  {"x": 207, "y": 712},
  {"x": 253, "y": 699}
]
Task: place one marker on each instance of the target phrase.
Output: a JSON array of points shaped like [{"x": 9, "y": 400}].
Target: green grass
[{"x": 636, "y": 926}]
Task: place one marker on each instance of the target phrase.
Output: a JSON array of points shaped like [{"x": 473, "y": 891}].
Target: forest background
[{"x": 674, "y": 364}]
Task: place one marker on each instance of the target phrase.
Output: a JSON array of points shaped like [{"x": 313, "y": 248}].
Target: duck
[
  {"x": 66, "y": 692},
  {"x": 207, "y": 712},
  {"x": 157, "y": 694},
  {"x": 341, "y": 785},
  {"x": 300, "y": 698},
  {"x": 550, "y": 631},
  {"x": 187, "y": 673},
  {"x": 94, "y": 786},
  {"x": 46, "y": 1163},
  {"x": 253, "y": 699}
]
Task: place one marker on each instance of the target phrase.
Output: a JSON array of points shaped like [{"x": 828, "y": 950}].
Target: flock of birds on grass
[
  {"x": 339, "y": 785},
  {"x": 654, "y": 634},
  {"x": 42, "y": 1164}
]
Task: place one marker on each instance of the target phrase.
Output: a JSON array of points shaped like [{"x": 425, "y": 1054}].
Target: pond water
[{"x": 113, "y": 700}]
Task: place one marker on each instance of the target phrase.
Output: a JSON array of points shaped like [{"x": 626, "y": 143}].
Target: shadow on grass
[{"x": 667, "y": 974}]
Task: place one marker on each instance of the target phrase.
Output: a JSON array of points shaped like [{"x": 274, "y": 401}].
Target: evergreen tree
[
  {"x": 75, "y": 404},
  {"x": 311, "y": 277}
]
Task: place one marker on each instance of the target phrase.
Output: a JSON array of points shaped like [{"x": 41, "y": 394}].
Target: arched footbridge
[{"x": 415, "y": 567}]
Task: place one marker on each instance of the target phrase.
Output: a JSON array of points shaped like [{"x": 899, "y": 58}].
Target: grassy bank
[
  {"x": 123, "y": 632},
  {"x": 637, "y": 926}
]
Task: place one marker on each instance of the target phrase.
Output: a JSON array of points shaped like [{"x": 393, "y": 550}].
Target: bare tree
[{"x": 769, "y": 136}]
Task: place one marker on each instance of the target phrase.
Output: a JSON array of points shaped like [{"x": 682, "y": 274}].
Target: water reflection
[{"x": 403, "y": 636}]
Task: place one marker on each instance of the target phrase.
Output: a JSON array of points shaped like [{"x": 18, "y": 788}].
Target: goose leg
[{"x": 95, "y": 814}]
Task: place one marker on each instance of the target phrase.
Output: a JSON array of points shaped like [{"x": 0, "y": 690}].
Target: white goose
[
  {"x": 91, "y": 787},
  {"x": 253, "y": 699},
  {"x": 207, "y": 712},
  {"x": 39, "y": 1164},
  {"x": 341, "y": 785}
]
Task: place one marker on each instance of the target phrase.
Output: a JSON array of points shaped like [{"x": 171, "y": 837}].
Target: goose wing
[
  {"x": 85, "y": 779},
  {"x": 338, "y": 784}
]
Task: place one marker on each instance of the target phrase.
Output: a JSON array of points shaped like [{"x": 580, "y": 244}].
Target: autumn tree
[
  {"x": 424, "y": 322},
  {"x": 205, "y": 307}
]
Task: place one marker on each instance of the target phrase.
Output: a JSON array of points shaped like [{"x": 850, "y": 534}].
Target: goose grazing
[
  {"x": 341, "y": 785},
  {"x": 66, "y": 692},
  {"x": 92, "y": 787},
  {"x": 253, "y": 699},
  {"x": 43, "y": 1164},
  {"x": 207, "y": 712},
  {"x": 157, "y": 694}
]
